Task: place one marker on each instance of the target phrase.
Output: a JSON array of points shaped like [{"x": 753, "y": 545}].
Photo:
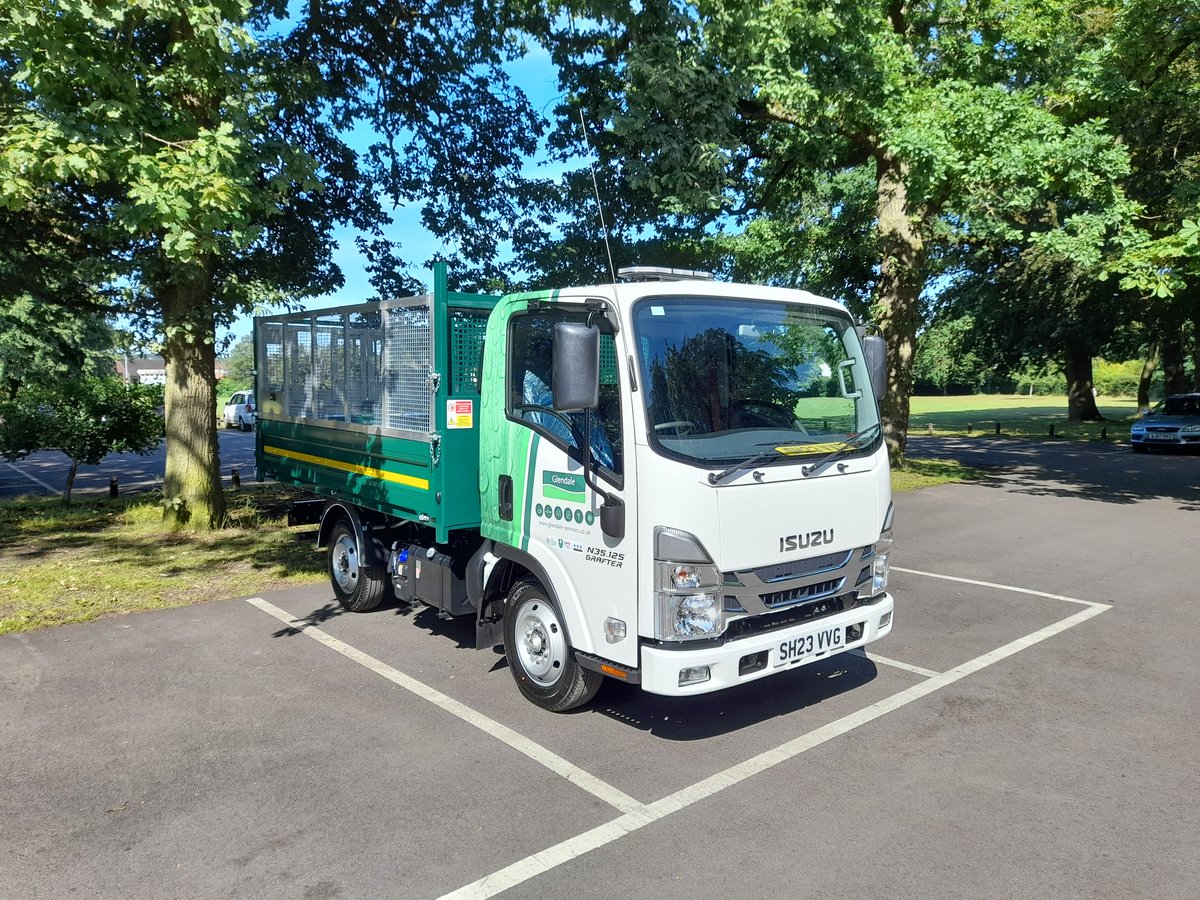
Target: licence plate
[
  {"x": 1160, "y": 436},
  {"x": 819, "y": 642}
]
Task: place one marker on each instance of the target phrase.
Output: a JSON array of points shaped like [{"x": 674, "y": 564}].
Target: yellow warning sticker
[{"x": 807, "y": 449}]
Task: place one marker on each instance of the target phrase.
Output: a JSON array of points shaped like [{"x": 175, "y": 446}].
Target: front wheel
[
  {"x": 539, "y": 654},
  {"x": 357, "y": 586},
  {"x": 1139, "y": 448}
]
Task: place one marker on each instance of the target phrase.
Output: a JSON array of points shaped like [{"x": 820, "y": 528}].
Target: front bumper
[{"x": 660, "y": 668}]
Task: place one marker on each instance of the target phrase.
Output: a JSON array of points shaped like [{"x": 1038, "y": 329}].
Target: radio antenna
[{"x": 599, "y": 206}]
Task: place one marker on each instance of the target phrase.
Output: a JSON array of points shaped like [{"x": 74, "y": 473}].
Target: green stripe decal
[{"x": 530, "y": 477}]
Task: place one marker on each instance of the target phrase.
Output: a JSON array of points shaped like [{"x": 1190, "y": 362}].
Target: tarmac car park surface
[{"x": 1027, "y": 730}]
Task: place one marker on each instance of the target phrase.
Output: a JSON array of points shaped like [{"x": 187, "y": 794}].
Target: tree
[
  {"x": 86, "y": 419},
  {"x": 206, "y": 168},
  {"x": 723, "y": 110},
  {"x": 239, "y": 363}
]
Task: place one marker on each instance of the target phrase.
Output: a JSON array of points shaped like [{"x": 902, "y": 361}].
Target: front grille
[
  {"x": 795, "y": 582},
  {"x": 799, "y": 594}
]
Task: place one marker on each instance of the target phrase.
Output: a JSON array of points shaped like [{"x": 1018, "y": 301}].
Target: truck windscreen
[{"x": 728, "y": 379}]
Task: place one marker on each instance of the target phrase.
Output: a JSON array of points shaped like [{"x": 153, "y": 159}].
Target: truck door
[{"x": 555, "y": 516}]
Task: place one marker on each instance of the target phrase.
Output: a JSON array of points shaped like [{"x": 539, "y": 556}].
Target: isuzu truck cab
[{"x": 669, "y": 481}]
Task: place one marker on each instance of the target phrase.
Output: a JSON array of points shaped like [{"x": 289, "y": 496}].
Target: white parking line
[
  {"x": 544, "y": 861},
  {"x": 35, "y": 480},
  {"x": 539, "y": 754},
  {"x": 1002, "y": 587},
  {"x": 895, "y": 663}
]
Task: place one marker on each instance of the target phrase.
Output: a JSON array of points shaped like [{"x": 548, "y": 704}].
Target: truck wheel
[
  {"x": 539, "y": 654},
  {"x": 359, "y": 587}
]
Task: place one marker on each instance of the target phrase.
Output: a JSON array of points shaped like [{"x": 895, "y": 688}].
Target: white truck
[{"x": 668, "y": 481}]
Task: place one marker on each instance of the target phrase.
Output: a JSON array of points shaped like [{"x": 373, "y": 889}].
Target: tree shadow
[{"x": 1103, "y": 473}]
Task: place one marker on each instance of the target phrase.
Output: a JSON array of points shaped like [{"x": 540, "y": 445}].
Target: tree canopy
[{"x": 199, "y": 150}]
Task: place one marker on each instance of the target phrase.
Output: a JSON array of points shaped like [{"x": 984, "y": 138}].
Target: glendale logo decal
[{"x": 563, "y": 486}]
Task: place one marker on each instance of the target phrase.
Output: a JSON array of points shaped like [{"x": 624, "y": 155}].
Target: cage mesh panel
[
  {"x": 409, "y": 350},
  {"x": 297, "y": 349},
  {"x": 467, "y": 328},
  {"x": 329, "y": 366},
  {"x": 270, "y": 379},
  {"x": 364, "y": 356}
]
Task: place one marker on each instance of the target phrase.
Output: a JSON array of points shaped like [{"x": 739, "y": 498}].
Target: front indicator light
[
  {"x": 614, "y": 630},
  {"x": 694, "y": 675}
]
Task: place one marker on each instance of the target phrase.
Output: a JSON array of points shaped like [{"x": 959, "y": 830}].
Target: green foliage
[
  {"x": 86, "y": 419},
  {"x": 41, "y": 344},
  {"x": 239, "y": 366}
]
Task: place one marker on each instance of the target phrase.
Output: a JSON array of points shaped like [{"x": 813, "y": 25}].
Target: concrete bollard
[
  {"x": 997, "y": 428},
  {"x": 1051, "y": 430},
  {"x": 112, "y": 488}
]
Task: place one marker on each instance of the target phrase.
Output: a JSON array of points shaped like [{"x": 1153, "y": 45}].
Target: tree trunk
[
  {"x": 71, "y": 473},
  {"x": 1175, "y": 380},
  {"x": 1148, "y": 367},
  {"x": 1081, "y": 401},
  {"x": 192, "y": 492},
  {"x": 897, "y": 308},
  {"x": 1195, "y": 327}
]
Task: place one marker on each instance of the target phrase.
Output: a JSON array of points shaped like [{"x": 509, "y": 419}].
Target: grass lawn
[
  {"x": 101, "y": 556},
  {"x": 1019, "y": 416}
]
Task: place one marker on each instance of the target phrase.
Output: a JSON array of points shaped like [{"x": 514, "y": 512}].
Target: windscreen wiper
[
  {"x": 772, "y": 454},
  {"x": 853, "y": 442}
]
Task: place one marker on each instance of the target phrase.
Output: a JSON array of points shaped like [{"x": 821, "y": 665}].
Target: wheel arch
[
  {"x": 372, "y": 549},
  {"x": 515, "y": 564}
]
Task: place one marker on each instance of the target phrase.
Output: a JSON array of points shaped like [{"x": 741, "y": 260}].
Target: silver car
[{"x": 1174, "y": 422}]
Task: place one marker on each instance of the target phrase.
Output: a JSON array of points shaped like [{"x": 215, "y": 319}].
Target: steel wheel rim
[
  {"x": 541, "y": 643},
  {"x": 345, "y": 563}
]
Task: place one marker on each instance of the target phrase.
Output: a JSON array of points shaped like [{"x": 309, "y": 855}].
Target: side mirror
[
  {"x": 576, "y": 366},
  {"x": 875, "y": 350}
]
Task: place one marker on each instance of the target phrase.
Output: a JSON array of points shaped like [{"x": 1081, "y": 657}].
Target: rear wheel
[
  {"x": 539, "y": 654},
  {"x": 244, "y": 425},
  {"x": 358, "y": 587}
]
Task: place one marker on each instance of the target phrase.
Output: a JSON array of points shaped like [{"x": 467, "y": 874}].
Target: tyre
[
  {"x": 244, "y": 425},
  {"x": 539, "y": 652},
  {"x": 1140, "y": 448},
  {"x": 358, "y": 587}
]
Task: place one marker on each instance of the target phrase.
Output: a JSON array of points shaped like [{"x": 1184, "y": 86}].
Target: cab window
[{"x": 530, "y": 392}]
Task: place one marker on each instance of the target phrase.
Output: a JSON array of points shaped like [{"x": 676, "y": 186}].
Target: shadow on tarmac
[
  {"x": 1104, "y": 473},
  {"x": 723, "y": 712}
]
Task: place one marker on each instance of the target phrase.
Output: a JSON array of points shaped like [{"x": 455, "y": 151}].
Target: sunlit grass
[
  {"x": 924, "y": 473},
  {"x": 1018, "y": 416},
  {"x": 103, "y": 557}
]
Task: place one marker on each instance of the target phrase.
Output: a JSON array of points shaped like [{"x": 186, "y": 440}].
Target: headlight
[
  {"x": 688, "y": 600},
  {"x": 1138, "y": 427},
  {"x": 879, "y": 573},
  {"x": 1191, "y": 429},
  {"x": 883, "y": 546}
]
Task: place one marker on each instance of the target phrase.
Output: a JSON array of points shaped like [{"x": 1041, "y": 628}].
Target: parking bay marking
[
  {"x": 633, "y": 820},
  {"x": 539, "y": 754},
  {"x": 32, "y": 478}
]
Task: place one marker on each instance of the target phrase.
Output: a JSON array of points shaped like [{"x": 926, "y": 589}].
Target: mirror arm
[{"x": 612, "y": 510}]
